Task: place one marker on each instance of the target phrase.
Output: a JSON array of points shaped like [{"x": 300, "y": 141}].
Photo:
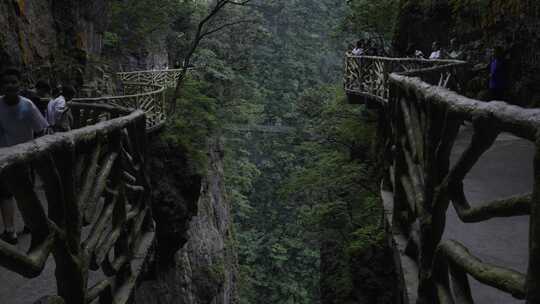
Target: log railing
[
  {"x": 165, "y": 78},
  {"x": 368, "y": 76},
  {"x": 420, "y": 117},
  {"x": 89, "y": 207},
  {"x": 92, "y": 209},
  {"x": 143, "y": 90},
  {"x": 146, "y": 97}
]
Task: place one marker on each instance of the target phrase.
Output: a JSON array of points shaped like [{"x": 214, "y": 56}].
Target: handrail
[
  {"x": 97, "y": 195},
  {"x": 421, "y": 115},
  {"x": 368, "y": 75},
  {"x": 143, "y": 90},
  {"x": 95, "y": 182}
]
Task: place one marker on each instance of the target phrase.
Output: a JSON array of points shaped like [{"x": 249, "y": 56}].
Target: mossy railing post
[{"x": 424, "y": 118}]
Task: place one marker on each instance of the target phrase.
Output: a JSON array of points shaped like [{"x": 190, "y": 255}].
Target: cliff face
[
  {"x": 195, "y": 261},
  {"x": 51, "y": 38}
]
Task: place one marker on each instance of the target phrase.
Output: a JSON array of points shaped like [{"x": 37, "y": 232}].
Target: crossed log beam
[{"x": 421, "y": 118}]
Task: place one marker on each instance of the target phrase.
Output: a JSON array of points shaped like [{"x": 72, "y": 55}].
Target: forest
[
  {"x": 304, "y": 199},
  {"x": 282, "y": 68},
  {"x": 271, "y": 173}
]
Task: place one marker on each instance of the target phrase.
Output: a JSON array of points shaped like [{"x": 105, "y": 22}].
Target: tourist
[
  {"x": 359, "y": 49},
  {"x": 20, "y": 121},
  {"x": 39, "y": 96},
  {"x": 43, "y": 92},
  {"x": 455, "y": 51},
  {"x": 435, "y": 51},
  {"x": 58, "y": 112},
  {"x": 498, "y": 75}
]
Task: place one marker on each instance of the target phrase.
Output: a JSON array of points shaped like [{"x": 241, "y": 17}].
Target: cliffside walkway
[
  {"x": 442, "y": 149},
  {"x": 89, "y": 209}
]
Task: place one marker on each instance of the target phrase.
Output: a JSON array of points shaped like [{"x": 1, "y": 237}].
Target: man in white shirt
[
  {"x": 359, "y": 49},
  {"x": 57, "y": 110},
  {"x": 20, "y": 121},
  {"x": 436, "y": 51}
]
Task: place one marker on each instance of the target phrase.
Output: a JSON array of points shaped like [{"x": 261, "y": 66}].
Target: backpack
[{"x": 64, "y": 123}]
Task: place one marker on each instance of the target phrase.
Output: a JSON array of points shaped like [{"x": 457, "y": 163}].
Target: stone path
[{"x": 504, "y": 170}]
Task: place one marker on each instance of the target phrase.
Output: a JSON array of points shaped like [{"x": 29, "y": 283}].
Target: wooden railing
[
  {"x": 368, "y": 76},
  {"x": 90, "y": 208},
  {"x": 165, "y": 78},
  {"x": 96, "y": 192},
  {"x": 421, "y": 116},
  {"x": 146, "y": 97},
  {"x": 143, "y": 90}
]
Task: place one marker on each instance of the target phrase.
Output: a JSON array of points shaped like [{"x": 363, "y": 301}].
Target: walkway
[
  {"x": 16, "y": 289},
  {"x": 504, "y": 170}
]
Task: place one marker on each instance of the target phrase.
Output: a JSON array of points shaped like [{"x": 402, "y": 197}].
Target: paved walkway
[
  {"x": 504, "y": 170},
  {"x": 16, "y": 289}
]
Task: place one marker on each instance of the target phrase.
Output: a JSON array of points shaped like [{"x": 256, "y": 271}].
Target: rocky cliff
[
  {"x": 195, "y": 261},
  {"x": 52, "y": 38}
]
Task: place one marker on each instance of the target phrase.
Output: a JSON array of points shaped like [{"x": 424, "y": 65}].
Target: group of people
[
  {"x": 25, "y": 115},
  {"x": 365, "y": 47},
  {"x": 436, "y": 52},
  {"x": 498, "y": 67}
]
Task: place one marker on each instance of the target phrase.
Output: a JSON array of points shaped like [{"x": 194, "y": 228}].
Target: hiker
[
  {"x": 20, "y": 121},
  {"x": 435, "y": 51},
  {"x": 39, "y": 96},
  {"x": 43, "y": 92},
  {"x": 455, "y": 51},
  {"x": 359, "y": 49},
  {"x": 58, "y": 112},
  {"x": 498, "y": 75}
]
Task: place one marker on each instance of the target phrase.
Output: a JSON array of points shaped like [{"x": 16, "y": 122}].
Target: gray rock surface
[
  {"x": 37, "y": 33},
  {"x": 204, "y": 267}
]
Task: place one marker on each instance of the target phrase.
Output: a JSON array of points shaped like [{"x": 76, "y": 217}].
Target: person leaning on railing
[{"x": 20, "y": 121}]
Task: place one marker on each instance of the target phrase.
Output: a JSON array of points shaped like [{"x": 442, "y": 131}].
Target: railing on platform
[
  {"x": 146, "y": 97},
  {"x": 95, "y": 188},
  {"x": 143, "y": 90},
  {"x": 368, "y": 76},
  {"x": 94, "y": 178},
  {"x": 165, "y": 78},
  {"x": 421, "y": 116}
]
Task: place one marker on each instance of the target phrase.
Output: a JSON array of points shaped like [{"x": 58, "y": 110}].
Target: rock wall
[
  {"x": 195, "y": 260},
  {"x": 52, "y": 38}
]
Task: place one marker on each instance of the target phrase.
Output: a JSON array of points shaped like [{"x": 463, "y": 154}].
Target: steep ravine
[{"x": 195, "y": 260}]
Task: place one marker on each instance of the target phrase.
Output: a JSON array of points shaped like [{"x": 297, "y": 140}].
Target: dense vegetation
[{"x": 304, "y": 200}]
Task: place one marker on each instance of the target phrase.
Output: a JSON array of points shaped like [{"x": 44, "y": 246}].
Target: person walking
[
  {"x": 498, "y": 75},
  {"x": 435, "y": 51},
  {"x": 58, "y": 113},
  {"x": 20, "y": 121}
]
